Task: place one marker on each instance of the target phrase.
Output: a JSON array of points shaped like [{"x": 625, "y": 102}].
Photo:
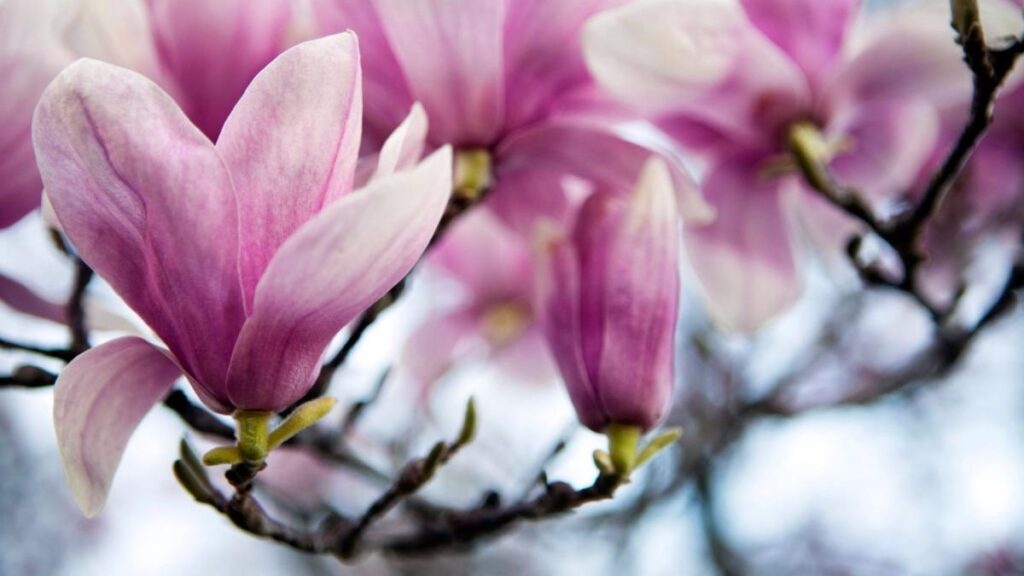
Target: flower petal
[
  {"x": 701, "y": 58},
  {"x": 291, "y": 144},
  {"x": 116, "y": 32},
  {"x": 214, "y": 49},
  {"x": 404, "y": 147},
  {"x": 543, "y": 56},
  {"x": 639, "y": 285},
  {"x": 485, "y": 256},
  {"x": 558, "y": 301},
  {"x": 21, "y": 298},
  {"x": 744, "y": 259},
  {"x": 451, "y": 54},
  {"x": 436, "y": 345},
  {"x": 889, "y": 144},
  {"x": 29, "y": 58},
  {"x": 332, "y": 269},
  {"x": 148, "y": 203},
  {"x": 100, "y": 398},
  {"x": 811, "y": 32}
]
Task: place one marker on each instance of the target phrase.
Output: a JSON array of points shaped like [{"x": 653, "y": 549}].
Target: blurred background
[{"x": 810, "y": 448}]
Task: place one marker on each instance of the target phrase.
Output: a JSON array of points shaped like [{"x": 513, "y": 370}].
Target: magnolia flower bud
[{"x": 609, "y": 296}]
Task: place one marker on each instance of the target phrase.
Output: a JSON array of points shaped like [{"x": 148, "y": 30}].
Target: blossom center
[
  {"x": 504, "y": 322},
  {"x": 472, "y": 174}
]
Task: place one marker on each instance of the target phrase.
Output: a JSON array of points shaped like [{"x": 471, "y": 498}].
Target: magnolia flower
[
  {"x": 504, "y": 82},
  {"x": 732, "y": 80},
  {"x": 203, "y": 53},
  {"x": 494, "y": 316},
  {"x": 245, "y": 257},
  {"x": 609, "y": 297}
]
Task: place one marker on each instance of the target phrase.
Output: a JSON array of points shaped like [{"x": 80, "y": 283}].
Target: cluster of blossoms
[{"x": 250, "y": 176}]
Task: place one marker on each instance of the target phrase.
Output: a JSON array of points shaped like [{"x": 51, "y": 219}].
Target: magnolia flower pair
[{"x": 247, "y": 256}]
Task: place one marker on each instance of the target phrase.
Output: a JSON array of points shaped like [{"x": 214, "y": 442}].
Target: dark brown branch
[
  {"x": 28, "y": 377},
  {"x": 459, "y": 530},
  {"x": 75, "y": 309},
  {"x": 56, "y": 353}
]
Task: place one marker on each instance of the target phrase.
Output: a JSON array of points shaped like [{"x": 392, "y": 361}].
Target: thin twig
[{"x": 75, "y": 309}]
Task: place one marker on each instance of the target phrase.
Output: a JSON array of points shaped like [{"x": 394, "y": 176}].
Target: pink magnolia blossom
[
  {"x": 203, "y": 53},
  {"x": 503, "y": 76},
  {"x": 245, "y": 257},
  {"x": 610, "y": 297},
  {"x": 728, "y": 79},
  {"x": 494, "y": 317}
]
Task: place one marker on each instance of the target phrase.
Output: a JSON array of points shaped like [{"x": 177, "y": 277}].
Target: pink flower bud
[{"x": 609, "y": 297}]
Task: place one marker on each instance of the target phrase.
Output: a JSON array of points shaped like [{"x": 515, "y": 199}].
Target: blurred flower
[
  {"x": 609, "y": 297},
  {"x": 504, "y": 82},
  {"x": 731, "y": 79},
  {"x": 30, "y": 56},
  {"x": 245, "y": 257},
  {"x": 494, "y": 317}
]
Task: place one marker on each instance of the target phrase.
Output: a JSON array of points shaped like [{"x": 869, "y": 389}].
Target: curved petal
[
  {"x": 543, "y": 56},
  {"x": 887, "y": 146},
  {"x": 333, "y": 268},
  {"x": 149, "y": 204},
  {"x": 597, "y": 156},
  {"x": 386, "y": 93},
  {"x": 100, "y": 398},
  {"x": 744, "y": 259},
  {"x": 291, "y": 144},
  {"x": 436, "y": 345},
  {"x": 29, "y": 58},
  {"x": 116, "y": 32},
  {"x": 485, "y": 256},
  {"x": 700, "y": 58},
  {"x": 214, "y": 49},
  {"x": 911, "y": 55},
  {"x": 19, "y": 297},
  {"x": 404, "y": 147},
  {"x": 811, "y": 32},
  {"x": 639, "y": 282},
  {"x": 451, "y": 54},
  {"x": 558, "y": 300}
]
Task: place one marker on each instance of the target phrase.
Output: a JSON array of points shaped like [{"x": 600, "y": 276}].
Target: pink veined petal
[
  {"x": 811, "y": 32},
  {"x": 640, "y": 304},
  {"x": 386, "y": 93},
  {"x": 699, "y": 58},
  {"x": 291, "y": 145},
  {"x": 543, "y": 56},
  {"x": 485, "y": 256},
  {"x": 558, "y": 302},
  {"x": 523, "y": 198},
  {"x": 100, "y": 398},
  {"x": 148, "y": 203},
  {"x": 21, "y": 298},
  {"x": 744, "y": 259},
  {"x": 214, "y": 49},
  {"x": 333, "y": 268},
  {"x": 29, "y": 58},
  {"x": 451, "y": 54}
]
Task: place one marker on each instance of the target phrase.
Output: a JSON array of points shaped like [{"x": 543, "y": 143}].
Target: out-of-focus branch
[
  {"x": 344, "y": 538},
  {"x": 989, "y": 68},
  {"x": 76, "y": 308}
]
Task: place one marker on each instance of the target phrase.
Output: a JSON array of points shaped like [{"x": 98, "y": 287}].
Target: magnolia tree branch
[{"x": 989, "y": 68}]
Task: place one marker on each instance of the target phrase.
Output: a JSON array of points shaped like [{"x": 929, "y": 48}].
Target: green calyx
[
  {"x": 625, "y": 453},
  {"x": 255, "y": 437}
]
